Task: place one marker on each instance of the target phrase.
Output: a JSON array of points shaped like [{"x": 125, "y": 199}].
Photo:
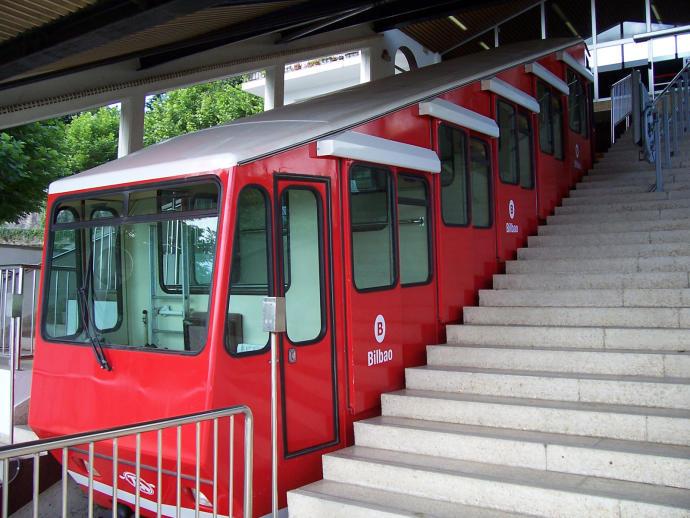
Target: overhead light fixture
[
  {"x": 562, "y": 16},
  {"x": 656, "y": 13},
  {"x": 483, "y": 45},
  {"x": 457, "y": 22}
]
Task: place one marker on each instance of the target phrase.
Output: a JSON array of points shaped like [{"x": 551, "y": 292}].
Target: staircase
[{"x": 565, "y": 393}]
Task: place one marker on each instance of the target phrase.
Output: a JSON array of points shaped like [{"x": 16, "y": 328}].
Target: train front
[{"x": 126, "y": 333}]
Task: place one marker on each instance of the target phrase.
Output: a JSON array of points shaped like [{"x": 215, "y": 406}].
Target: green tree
[
  {"x": 197, "y": 107},
  {"x": 31, "y": 157},
  {"x": 91, "y": 138}
]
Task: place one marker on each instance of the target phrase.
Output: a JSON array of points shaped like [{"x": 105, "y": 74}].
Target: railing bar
[
  {"x": 64, "y": 482},
  {"x": 178, "y": 489},
  {"x": 197, "y": 473},
  {"x": 231, "y": 488},
  {"x": 91, "y": 480},
  {"x": 215, "y": 469},
  {"x": 248, "y": 462},
  {"x": 159, "y": 473},
  {"x": 36, "y": 483},
  {"x": 5, "y": 492},
  {"x": 115, "y": 476},
  {"x": 137, "y": 476}
]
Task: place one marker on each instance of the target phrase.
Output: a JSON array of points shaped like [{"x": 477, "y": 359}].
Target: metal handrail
[{"x": 36, "y": 448}]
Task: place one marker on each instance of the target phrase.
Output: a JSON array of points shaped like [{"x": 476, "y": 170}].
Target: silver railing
[
  {"x": 668, "y": 118},
  {"x": 84, "y": 444},
  {"x": 18, "y": 290},
  {"x": 621, "y": 103}
]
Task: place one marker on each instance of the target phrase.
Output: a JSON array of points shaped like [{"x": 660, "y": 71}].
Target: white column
[
  {"x": 376, "y": 62},
  {"x": 131, "y": 136},
  {"x": 274, "y": 94}
]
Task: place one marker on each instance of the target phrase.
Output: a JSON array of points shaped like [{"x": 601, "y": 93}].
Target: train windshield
[{"x": 132, "y": 268}]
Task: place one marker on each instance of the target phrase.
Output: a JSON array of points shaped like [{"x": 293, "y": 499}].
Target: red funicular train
[{"x": 378, "y": 212}]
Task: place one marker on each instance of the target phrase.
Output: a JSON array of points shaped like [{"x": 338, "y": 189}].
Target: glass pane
[
  {"x": 302, "y": 260},
  {"x": 249, "y": 273},
  {"x": 545, "y": 129},
  {"x": 525, "y": 150},
  {"x": 413, "y": 230},
  {"x": 507, "y": 141},
  {"x": 371, "y": 215},
  {"x": 481, "y": 187},
  {"x": 557, "y": 124},
  {"x": 453, "y": 151},
  {"x": 106, "y": 286},
  {"x": 574, "y": 99}
]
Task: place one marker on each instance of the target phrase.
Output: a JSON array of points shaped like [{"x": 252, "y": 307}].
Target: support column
[
  {"x": 274, "y": 96},
  {"x": 131, "y": 136},
  {"x": 595, "y": 67},
  {"x": 376, "y": 62}
]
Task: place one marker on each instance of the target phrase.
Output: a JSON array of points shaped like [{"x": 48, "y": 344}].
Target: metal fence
[
  {"x": 621, "y": 103},
  {"x": 18, "y": 291},
  {"x": 92, "y": 445}
]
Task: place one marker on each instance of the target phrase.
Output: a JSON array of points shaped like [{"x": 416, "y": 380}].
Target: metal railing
[
  {"x": 17, "y": 313},
  {"x": 621, "y": 103},
  {"x": 84, "y": 444}
]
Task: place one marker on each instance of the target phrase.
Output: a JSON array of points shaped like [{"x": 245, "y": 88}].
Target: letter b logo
[{"x": 379, "y": 328}]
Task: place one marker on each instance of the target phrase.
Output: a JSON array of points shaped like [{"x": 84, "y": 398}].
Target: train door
[
  {"x": 307, "y": 353},
  {"x": 516, "y": 200},
  {"x": 579, "y": 146}
]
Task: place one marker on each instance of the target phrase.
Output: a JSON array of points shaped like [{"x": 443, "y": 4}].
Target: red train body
[{"x": 338, "y": 205}]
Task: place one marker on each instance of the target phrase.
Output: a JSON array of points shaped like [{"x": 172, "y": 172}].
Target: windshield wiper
[{"x": 87, "y": 321}]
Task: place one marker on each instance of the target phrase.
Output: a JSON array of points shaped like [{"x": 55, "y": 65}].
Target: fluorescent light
[
  {"x": 459, "y": 23},
  {"x": 656, "y": 13},
  {"x": 572, "y": 29},
  {"x": 483, "y": 45}
]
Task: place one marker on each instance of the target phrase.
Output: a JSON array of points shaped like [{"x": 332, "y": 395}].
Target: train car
[{"x": 377, "y": 212}]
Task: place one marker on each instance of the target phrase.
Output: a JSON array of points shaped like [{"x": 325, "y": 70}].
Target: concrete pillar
[
  {"x": 131, "y": 136},
  {"x": 376, "y": 62},
  {"x": 274, "y": 96}
]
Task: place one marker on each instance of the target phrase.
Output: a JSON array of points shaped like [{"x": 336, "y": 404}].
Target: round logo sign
[
  {"x": 511, "y": 209},
  {"x": 379, "y": 328},
  {"x": 577, "y": 151}
]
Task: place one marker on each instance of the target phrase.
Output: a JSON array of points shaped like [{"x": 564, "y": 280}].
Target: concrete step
[
  {"x": 626, "y": 197},
  {"x": 632, "y": 423},
  {"x": 670, "y": 318},
  {"x": 506, "y": 488},
  {"x": 627, "y": 207},
  {"x": 553, "y": 281},
  {"x": 583, "y": 251},
  {"x": 587, "y": 235},
  {"x": 340, "y": 500},
  {"x": 621, "y": 265},
  {"x": 612, "y": 338},
  {"x": 661, "y": 230},
  {"x": 642, "y": 177},
  {"x": 621, "y": 460},
  {"x": 562, "y": 360},
  {"x": 597, "y": 217},
  {"x": 606, "y": 190},
  {"x": 595, "y": 298}
]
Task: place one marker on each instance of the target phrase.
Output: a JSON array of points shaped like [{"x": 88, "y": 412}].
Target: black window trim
[
  {"x": 501, "y": 100},
  {"x": 487, "y": 145},
  {"x": 468, "y": 183},
  {"x": 532, "y": 169},
  {"x": 430, "y": 232}
]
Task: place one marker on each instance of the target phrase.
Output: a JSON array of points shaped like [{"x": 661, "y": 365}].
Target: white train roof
[{"x": 251, "y": 138}]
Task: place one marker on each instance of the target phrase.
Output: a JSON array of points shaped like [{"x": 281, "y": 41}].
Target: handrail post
[
  {"x": 657, "y": 146},
  {"x": 685, "y": 88},
  {"x": 674, "y": 114},
  {"x": 274, "y": 323},
  {"x": 248, "y": 463},
  {"x": 665, "y": 122}
]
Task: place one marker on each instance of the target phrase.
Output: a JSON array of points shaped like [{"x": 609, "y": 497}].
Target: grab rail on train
[
  {"x": 659, "y": 123},
  {"x": 18, "y": 290},
  {"x": 84, "y": 443}
]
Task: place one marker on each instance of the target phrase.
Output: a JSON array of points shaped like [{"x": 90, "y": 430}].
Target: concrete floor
[{"x": 50, "y": 504}]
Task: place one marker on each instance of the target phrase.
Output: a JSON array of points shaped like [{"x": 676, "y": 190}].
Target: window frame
[
  {"x": 522, "y": 112},
  {"x": 430, "y": 229},
  {"x": 468, "y": 184},
  {"x": 394, "y": 222},
  {"x": 516, "y": 153},
  {"x": 490, "y": 173}
]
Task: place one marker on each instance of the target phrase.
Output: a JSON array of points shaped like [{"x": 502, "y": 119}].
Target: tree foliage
[
  {"x": 31, "y": 157},
  {"x": 91, "y": 138}
]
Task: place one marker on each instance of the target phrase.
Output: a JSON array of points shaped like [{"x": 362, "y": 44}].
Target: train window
[
  {"x": 507, "y": 143},
  {"x": 249, "y": 273},
  {"x": 577, "y": 104},
  {"x": 545, "y": 121},
  {"x": 525, "y": 161},
  {"x": 102, "y": 269},
  {"x": 414, "y": 230},
  {"x": 373, "y": 240},
  {"x": 301, "y": 262},
  {"x": 104, "y": 261},
  {"x": 480, "y": 167},
  {"x": 557, "y": 126},
  {"x": 452, "y": 144},
  {"x": 61, "y": 316}
]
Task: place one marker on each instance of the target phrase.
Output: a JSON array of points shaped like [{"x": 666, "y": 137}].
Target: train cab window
[
  {"x": 507, "y": 143},
  {"x": 480, "y": 167},
  {"x": 525, "y": 161},
  {"x": 550, "y": 121},
  {"x": 301, "y": 263},
  {"x": 577, "y": 104},
  {"x": 371, "y": 225},
  {"x": 249, "y": 273},
  {"x": 105, "y": 253},
  {"x": 452, "y": 144},
  {"x": 414, "y": 232},
  {"x": 557, "y": 126}
]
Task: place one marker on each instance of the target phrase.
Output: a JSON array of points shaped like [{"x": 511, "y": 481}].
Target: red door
[{"x": 307, "y": 353}]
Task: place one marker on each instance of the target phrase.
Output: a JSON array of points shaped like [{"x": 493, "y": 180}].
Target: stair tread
[
  {"x": 512, "y": 434},
  {"x": 544, "y": 403},
  {"x": 399, "y": 503},
  {"x": 566, "y": 482}
]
